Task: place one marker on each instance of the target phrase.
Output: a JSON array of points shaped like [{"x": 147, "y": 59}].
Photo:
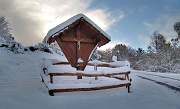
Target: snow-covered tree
[
  {"x": 42, "y": 47},
  {"x": 158, "y": 43},
  {"x": 55, "y": 48},
  {"x": 16, "y": 47},
  {"x": 121, "y": 51},
  {"x": 106, "y": 55},
  {"x": 5, "y": 30},
  {"x": 6, "y": 39},
  {"x": 177, "y": 29},
  {"x": 176, "y": 41},
  {"x": 96, "y": 55},
  {"x": 161, "y": 56}
]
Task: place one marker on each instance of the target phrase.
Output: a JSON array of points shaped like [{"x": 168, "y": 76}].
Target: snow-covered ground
[{"x": 21, "y": 88}]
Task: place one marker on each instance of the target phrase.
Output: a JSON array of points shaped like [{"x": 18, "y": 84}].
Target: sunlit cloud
[
  {"x": 103, "y": 18},
  {"x": 31, "y": 20}
]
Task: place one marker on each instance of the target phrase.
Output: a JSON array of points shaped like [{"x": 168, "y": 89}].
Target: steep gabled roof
[{"x": 61, "y": 27}]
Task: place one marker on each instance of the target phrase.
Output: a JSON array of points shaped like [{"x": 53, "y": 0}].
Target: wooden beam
[
  {"x": 52, "y": 91},
  {"x": 78, "y": 37},
  {"x": 99, "y": 34},
  {"x": 70, "y": 39},
  {"x": 88, "y": 75},
  {"x": 78, "y": 48}
]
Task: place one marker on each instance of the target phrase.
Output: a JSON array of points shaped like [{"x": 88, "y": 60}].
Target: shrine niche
[{"x": 78, "y": 37}]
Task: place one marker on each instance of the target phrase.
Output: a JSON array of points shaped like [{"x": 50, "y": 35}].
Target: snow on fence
[{"x": 52, "y": 71}]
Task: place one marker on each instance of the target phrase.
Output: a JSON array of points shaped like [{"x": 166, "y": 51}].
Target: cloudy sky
[{"x": 129, "y": 22}]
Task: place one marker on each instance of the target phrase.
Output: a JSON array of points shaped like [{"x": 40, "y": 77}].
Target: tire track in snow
[
  {"x": 161, "y": 83},
  {"x": 163, "y": 77}
]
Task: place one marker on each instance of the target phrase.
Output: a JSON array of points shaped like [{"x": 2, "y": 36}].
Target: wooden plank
[
  {"x": 51, "y": 92},
  {"x": 62, "y": 63},
  {"x": 69, "y": 58},
  {"x": 71, "y": 53}
]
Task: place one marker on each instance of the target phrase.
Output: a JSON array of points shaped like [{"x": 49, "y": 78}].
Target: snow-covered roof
[{"x": 61, "y": 27}]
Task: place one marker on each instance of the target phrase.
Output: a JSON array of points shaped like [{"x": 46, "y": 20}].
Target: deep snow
[{"x": 21, "y": 88}]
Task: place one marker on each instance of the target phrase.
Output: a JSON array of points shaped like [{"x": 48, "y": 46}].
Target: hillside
[{"x": 21, "y": 88}]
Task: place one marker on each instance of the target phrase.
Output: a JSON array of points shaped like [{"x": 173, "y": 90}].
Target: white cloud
[
  {"x": 144, "y": 39},
  {"x": 152, "y": 27},
  {"x": 164, "y": 25},
  {"x": 103, "y": 18},
  {"x": 168, "y": 29},
  {"x": 31, "y": 19}
]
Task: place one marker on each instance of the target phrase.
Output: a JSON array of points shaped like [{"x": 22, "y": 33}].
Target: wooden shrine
[{"x": 78, "y": 37}]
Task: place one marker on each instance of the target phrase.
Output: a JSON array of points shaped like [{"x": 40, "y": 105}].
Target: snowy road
[
  {"x": 21, "y": 88},
  {"x": 170, "y": 81}
]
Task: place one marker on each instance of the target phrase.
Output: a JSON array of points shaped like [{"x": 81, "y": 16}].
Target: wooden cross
[{"x": 78, "y": 42}]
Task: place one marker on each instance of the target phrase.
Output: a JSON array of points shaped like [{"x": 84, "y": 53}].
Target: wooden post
[
  {"x": 79, "y": 76},
  {"x": 96, "y": 78},
  {"x": 128, "y": 89},
  {"x": 51, "y": 79},
  {"x": 51, "y": 93},
  {"x": 127, "y": 76},
  {"x": 95, "y": 67}
]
